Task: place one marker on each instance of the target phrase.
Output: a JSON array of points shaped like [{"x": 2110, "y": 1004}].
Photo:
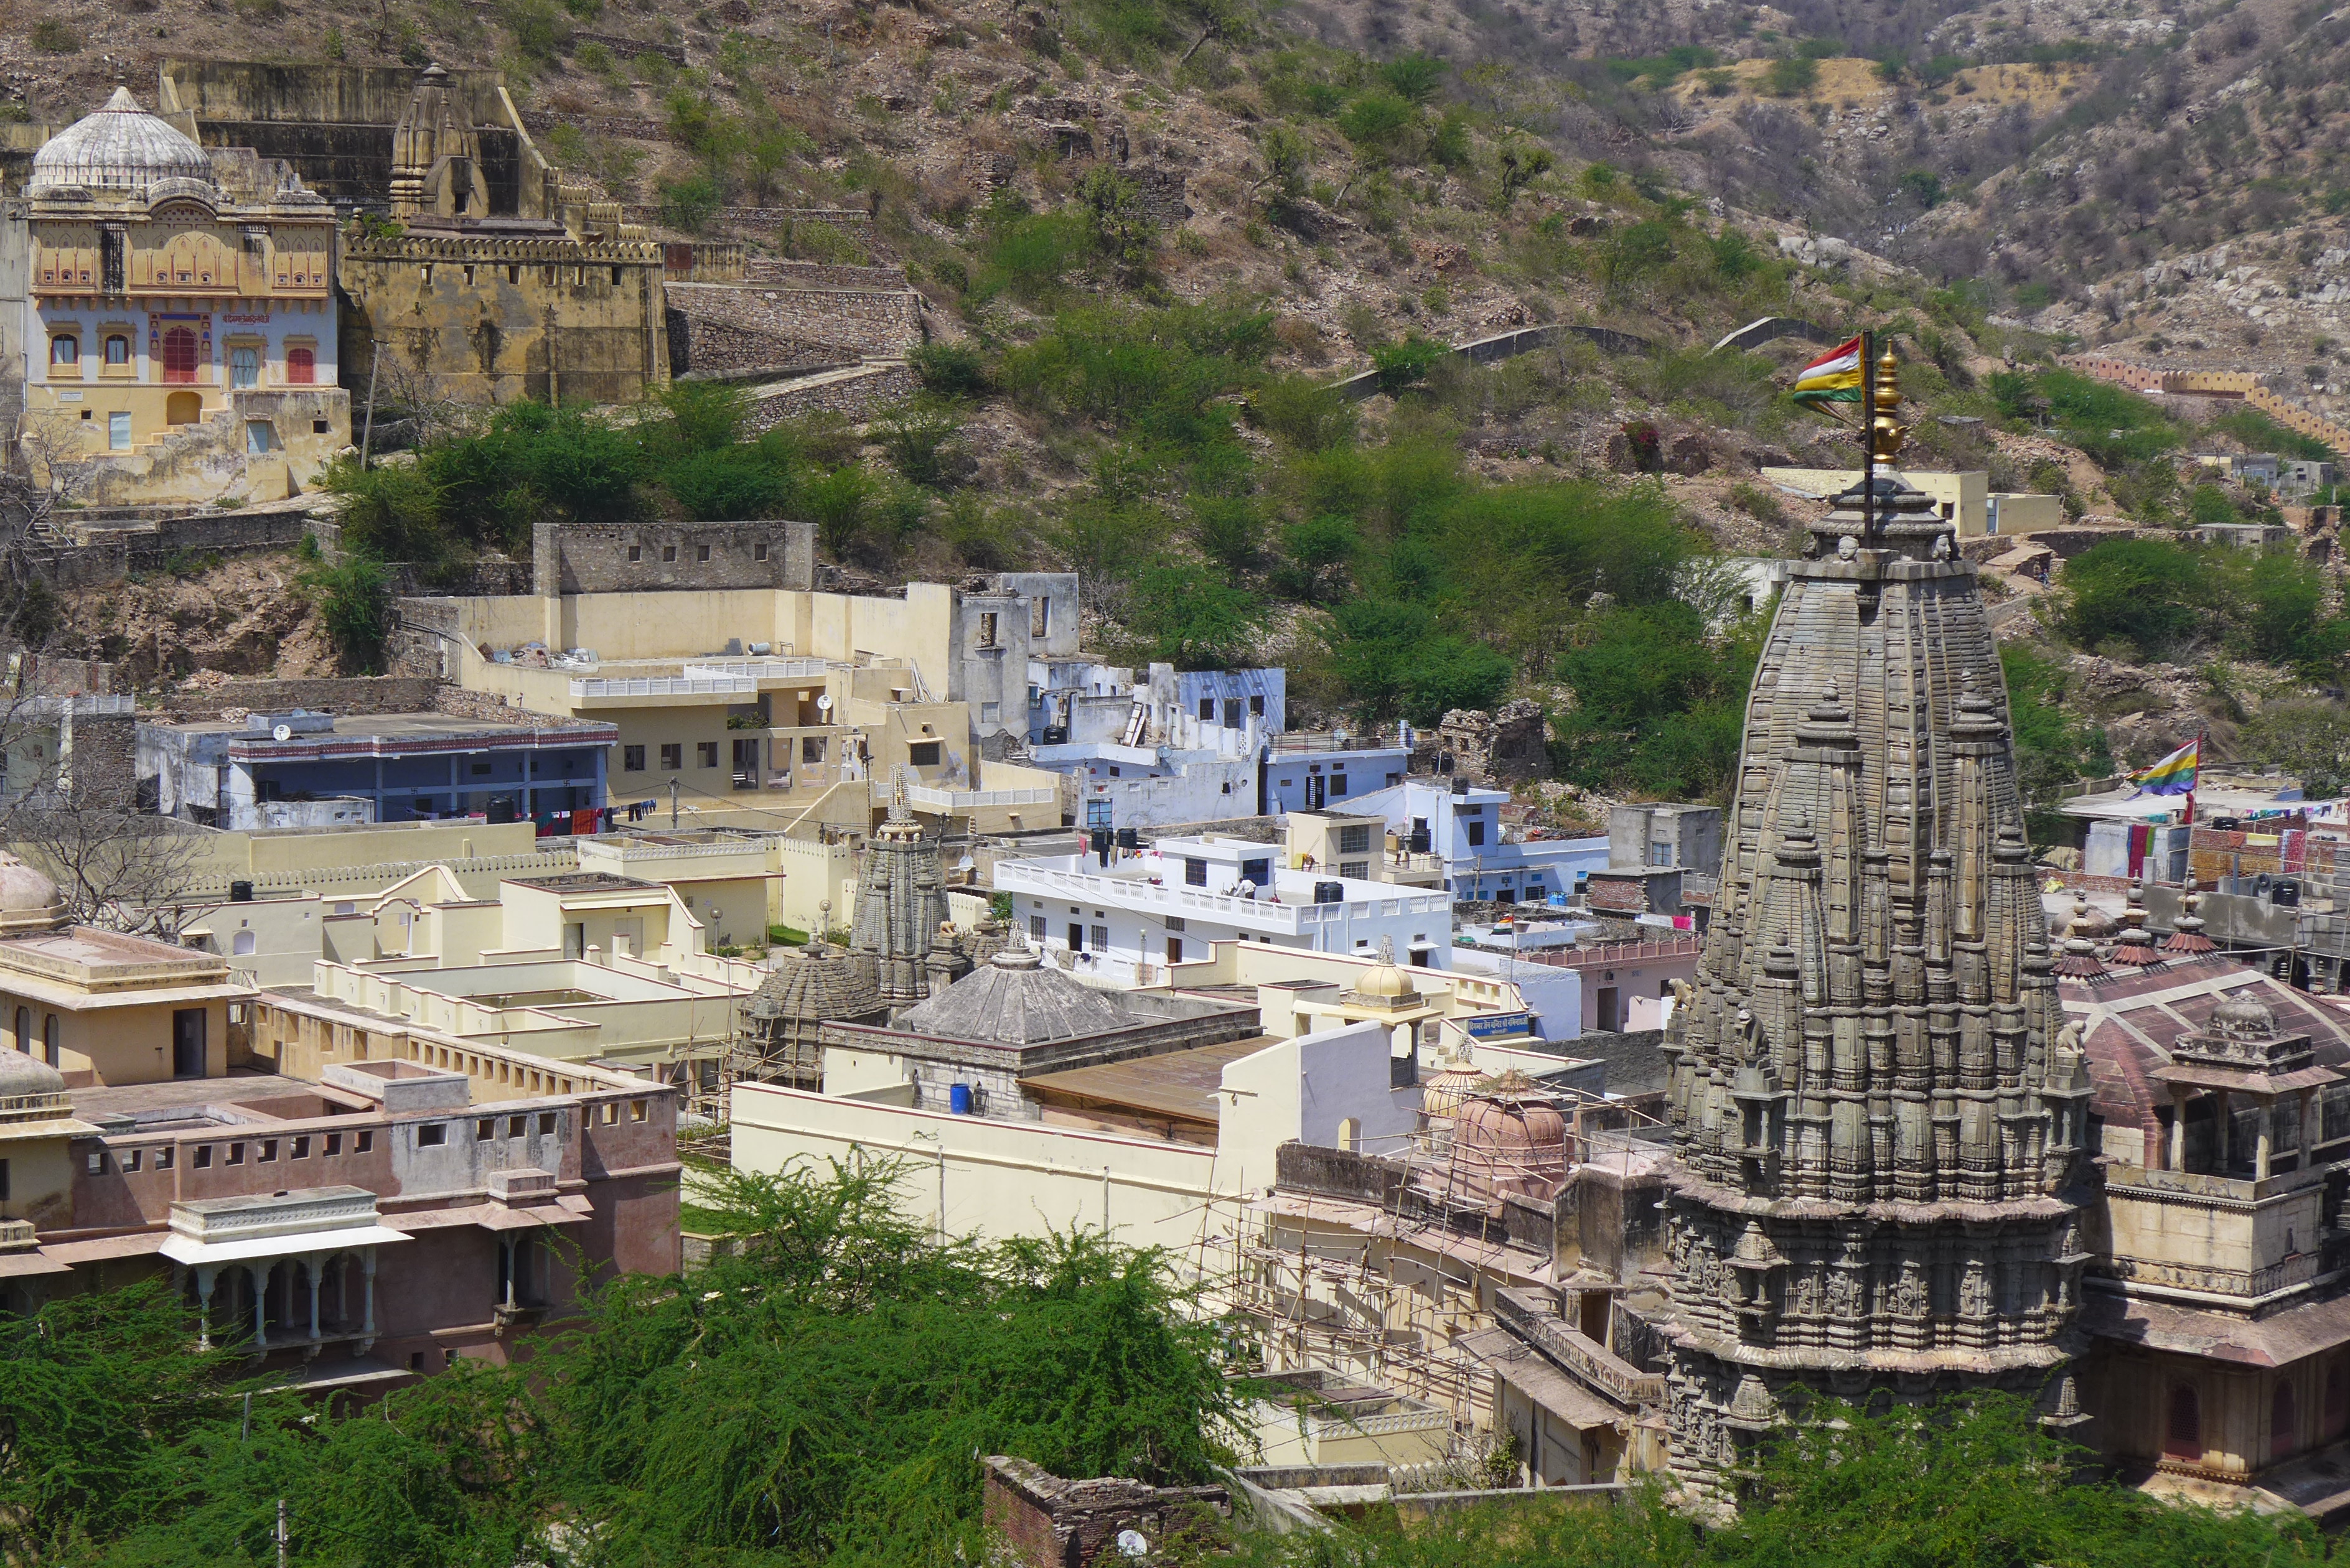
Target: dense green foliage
[
  {"x": 2160, "y": 599},
  {"x": 1659, "y": 702},
  {"x": 1965, "y": 1484},
  {"x": 820, "y": 1397}
]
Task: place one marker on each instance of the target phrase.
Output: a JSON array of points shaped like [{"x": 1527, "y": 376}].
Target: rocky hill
[{"x": 1991, "y": 183}]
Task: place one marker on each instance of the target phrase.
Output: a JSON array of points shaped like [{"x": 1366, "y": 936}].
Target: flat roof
[
  {"x": 1175, "y": 1084},
  {"x": 398, "y": 735},
  {"x": 181, "y": 1099},
  {"x": 588, "y": 882}
]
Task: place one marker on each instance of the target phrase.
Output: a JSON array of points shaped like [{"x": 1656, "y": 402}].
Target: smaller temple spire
[
  {"x": 2079, "y": 960},
  {"x": 2135, "y": 944},
  {"x": 2187, "y": 940}
]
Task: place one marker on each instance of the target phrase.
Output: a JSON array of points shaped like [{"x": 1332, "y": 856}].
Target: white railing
[
  {"x": 666, "y": 686},
  {"x": 1261, "y": 911},
  {"x": 756, "y": 669},
  {"x": 51, "y": 706},
  {"x": 928, "y": 798},
  {"x": 636, "y": 849}
]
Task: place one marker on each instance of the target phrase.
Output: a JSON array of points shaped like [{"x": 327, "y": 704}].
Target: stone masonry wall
[
  {"x": 1053, "y": 1522},
  {"x": 718, "y": 328},
  {"x": 857, "y": 394},
  {"x": 636, "y": 557},
  {"x": 353, "y": 695},
  {"x": 763, "y": 273}
]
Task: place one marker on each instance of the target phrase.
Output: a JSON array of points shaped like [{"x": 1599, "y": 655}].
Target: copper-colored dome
[{"x": 1509, "y": 1136}]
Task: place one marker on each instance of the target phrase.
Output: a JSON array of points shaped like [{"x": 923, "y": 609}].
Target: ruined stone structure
[
  {"x": 465, "y": 296},
  {"x": 1876, "y": 1125},
  {"x": 182, "y": 334},
  {"x": 901, "y": 911}
]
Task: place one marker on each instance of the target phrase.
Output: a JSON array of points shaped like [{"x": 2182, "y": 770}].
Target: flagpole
[{"x": 1868, "y": 439}]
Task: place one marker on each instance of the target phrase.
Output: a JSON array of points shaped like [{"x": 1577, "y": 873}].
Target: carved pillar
[
  {"x": 205, "y": 1279},
  {"x": 2264, "y": 1140},
  {"x": 310, "y": 1272},
  {"x": 366, "y": 1267},
  {"x": 260, "y": 1306}
]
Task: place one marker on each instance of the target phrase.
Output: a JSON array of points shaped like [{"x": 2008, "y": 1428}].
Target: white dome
[
  {"x": 28, "y": 900},
  {"x": 119, "y": 148}
]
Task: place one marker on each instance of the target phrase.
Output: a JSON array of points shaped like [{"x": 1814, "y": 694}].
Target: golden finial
[{"x": 1885, "y": 432}]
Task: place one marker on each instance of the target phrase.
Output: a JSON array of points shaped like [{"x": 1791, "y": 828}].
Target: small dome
[
  {"x": 1510, "y": 1138},
  {"x": 24, "y": 1077},
  {"x": 28, "y": 900},
  {"x": 1441, "y": 1096},
  {"x": 1387, "y": 980},
  {"x": 119, "y": 148}
]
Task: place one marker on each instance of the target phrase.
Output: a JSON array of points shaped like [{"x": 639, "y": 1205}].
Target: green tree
[
  {"x": 354, "y": 600},
  {"x": 2053, "y": 749},
  {"x": 2146, "y": 594},
  {"x": 2310, "y": 740},
  {"x": 1414, "y": 78},
  {"x": 1379, "y": 124},
  {"x": 729, "y": 485},
  {"x": 1192, "y": 621},
  {"x": 835, "y": 504},
  {"x": 1659, "y": 704}
]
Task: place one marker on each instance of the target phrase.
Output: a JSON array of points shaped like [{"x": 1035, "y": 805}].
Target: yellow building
[
  {"x": 183, "y": 337},
  {"x": 1962, "y": 498},
  {"x": 100, "y": 1007}
]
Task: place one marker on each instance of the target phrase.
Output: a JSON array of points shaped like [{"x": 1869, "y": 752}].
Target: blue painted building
[
  {"x": 1318, "y": 771},
  {"x": 298, "y": 769}
]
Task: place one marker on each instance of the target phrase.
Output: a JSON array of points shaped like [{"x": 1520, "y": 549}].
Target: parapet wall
[
  {"x": 351, "y": 695},
  {"x": 640, "y": 558}
]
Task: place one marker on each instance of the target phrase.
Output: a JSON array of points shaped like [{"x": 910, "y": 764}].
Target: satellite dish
[
  {"x": 282, "y": 733},
  {"x": 823, "y": 704},
  {"x": 1133, "y": 1543}
]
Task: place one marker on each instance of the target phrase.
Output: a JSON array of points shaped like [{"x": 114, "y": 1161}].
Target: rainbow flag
[
  {"x": 2175, "y": 775},
  {"x": 1833, "y": 377}
]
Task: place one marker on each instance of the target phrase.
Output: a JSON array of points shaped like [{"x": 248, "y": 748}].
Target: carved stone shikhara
[{"x": 1875, "y": 1126}]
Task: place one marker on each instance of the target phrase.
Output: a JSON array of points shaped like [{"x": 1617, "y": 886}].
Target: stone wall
[
  {"x": 766, "y": 273},
  {"x": 1052, "y": 1523},
  {"x": 491, "y": 319},
  {"x": 109, "y": 552},
  {"x": 1496, "y": 749},
  {"x": 351, "y": 695},
  {"x": 720, "y": 329},
  {"x": 637, "y": 557},
  {"x": 856, "y": 393}
]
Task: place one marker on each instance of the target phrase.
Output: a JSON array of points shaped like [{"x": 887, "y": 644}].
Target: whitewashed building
[{"x": 1124, "y": 922}]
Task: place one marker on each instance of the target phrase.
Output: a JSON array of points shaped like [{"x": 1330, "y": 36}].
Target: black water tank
[
  {"x": 1329, "y": 892},
  {"x": 240, "y": 892},
  {"x": 1055, "y": 735},
  {"x": 1129, "y": 838},
  {"x": 1418, "y": 843},
  {"x": 2287, "y": 894}
]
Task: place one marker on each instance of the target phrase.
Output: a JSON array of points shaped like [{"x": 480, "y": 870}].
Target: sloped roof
[{"x": 1014, "y": 999}]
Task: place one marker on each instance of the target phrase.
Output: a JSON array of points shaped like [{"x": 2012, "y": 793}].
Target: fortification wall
[{"x": 618, "y": 558}]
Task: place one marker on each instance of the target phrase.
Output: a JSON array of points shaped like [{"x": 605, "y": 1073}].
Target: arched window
[
  {"x": 2284, "y": 1422},
  {"x": 244, "y": 366},
  {"x": 2183, "y": 1438},
  {"x": 179, "y": 355},
  {"x": 1350, "y": 1135},
  {"x": 301, "y": 367},
  {"x": 117, "y": 349},
  {"x": 49, "y": 1052},
  {"x": 65, "y": 350}
]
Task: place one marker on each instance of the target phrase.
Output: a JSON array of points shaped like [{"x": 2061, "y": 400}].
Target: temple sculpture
[{"x": 1876, "y": 1123}]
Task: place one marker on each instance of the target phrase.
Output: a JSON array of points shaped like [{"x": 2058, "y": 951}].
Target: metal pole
[
  {"x": 673, "y": 802},
  {"x": 367, "y": 429},
  {"x": 1868, "y": 439},
  {"x": 283, "y": 1555}
]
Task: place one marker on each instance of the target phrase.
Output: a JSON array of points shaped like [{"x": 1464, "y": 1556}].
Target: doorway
[
  {"x": 187, "y": 1043},
  {"x": 183, "y": 408},
  {"x": 1611, "y": 1009},
  {"x": 746, "y": 763}
]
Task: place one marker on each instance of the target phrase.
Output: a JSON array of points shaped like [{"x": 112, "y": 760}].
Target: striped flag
[
  {"x": 1833, "y": 377},
  {"x": 2175, "y": 775}
]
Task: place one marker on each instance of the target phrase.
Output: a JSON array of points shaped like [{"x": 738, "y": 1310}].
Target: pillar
[
  {"x": 2222, "y": 1131},
  {"x": 2267, "y": 1136},
  {"x": 260, "y": 1306},
  {"x": 366, "y": 1267},
  {"x": 2305, "y": 1145},
  {"x": 205, "y": 1279},
  {"x": 310, "y": 1271},
  {"x": 2176, "y": 1155}
]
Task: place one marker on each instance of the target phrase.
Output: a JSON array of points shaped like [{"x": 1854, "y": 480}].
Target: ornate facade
[
  {"x": 900, "y": 923},
  {"x": 1876, "y": 1123},
  {"x": 182, "y": 327}
]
